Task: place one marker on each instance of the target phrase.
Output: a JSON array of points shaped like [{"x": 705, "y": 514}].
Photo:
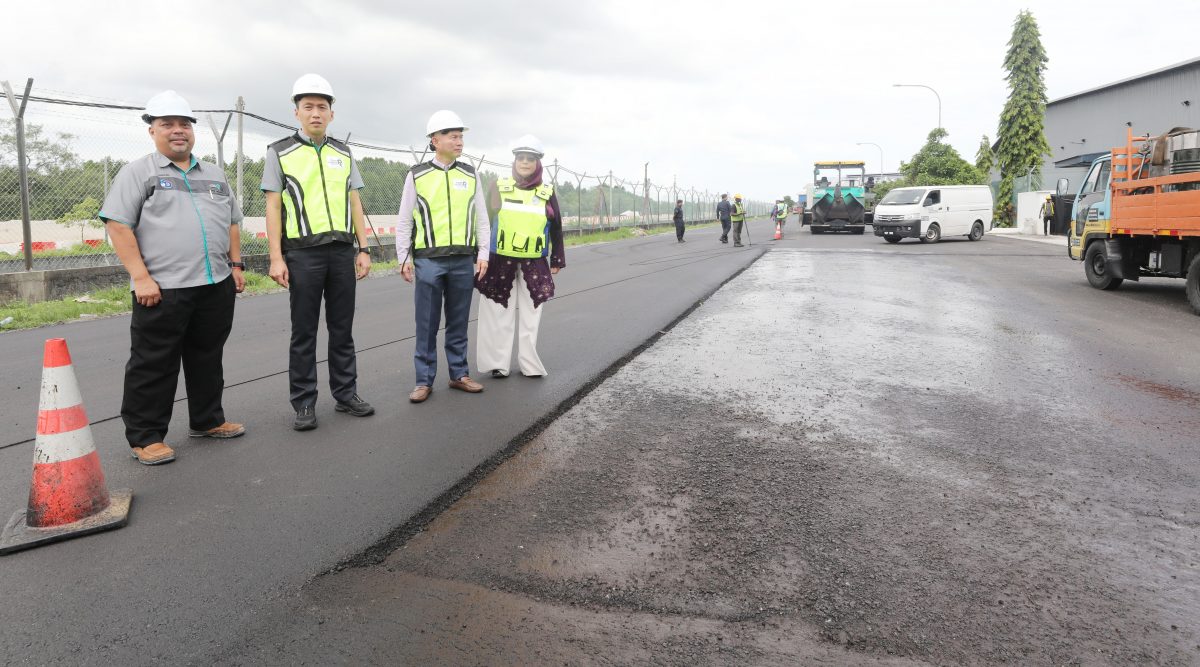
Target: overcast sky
[{"x": 733, "y": 96}]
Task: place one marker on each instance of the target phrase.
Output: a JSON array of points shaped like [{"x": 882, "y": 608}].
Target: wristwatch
[
  {"x": 364, "y": 250},
  {"x": 237, "y": 265}
]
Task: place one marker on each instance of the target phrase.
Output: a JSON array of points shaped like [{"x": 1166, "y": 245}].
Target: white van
[{"x": 933, "y": 212}]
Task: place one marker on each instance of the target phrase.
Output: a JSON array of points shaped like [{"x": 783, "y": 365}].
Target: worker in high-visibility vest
[
  {"x": 527, "y": 252},
  {"x": 738, "y": 217},
  {"x": 444, "y": 224},
  {"x": 318, "y": 249},
  {"x": 779, "y": 213}
]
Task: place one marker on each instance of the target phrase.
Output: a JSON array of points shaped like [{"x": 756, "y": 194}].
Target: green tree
[
  {"x": 985, "y": 158},
  {"x": 937, "y": 163},
  {"x": 84, "y": 214},
  {"x": 1021, "y": 133}
]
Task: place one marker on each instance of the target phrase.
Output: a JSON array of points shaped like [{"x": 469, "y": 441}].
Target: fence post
[
  {"x": 612, "y": 202},
  {"x": 241, "y": 193},
  {"x": 106, "y": 183},
  {"x": 22, "y": 167},
  {"x": 579, "y": 203},
  {"x": 220, "y": 136}
]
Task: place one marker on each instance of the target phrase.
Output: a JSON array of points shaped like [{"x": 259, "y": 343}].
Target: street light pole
[
  {"x": 930, "y": 88},
  {"x": 868, "y": 143}
]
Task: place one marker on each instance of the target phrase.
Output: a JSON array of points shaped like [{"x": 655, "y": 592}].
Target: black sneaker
[
  {"x": 306, "y": 419},
  {"x": 355, "y": 406}
]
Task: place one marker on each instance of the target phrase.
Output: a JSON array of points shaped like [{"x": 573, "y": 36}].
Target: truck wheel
[
  {"x": 1192, "y": 287},
  {"x": 976, "y": 231},
  {"x": 892, "y": 239},
  {"x": 1095, "y": 265},
  {"x": 933, "y": 234},
  {"x": 814, "y": 230}
]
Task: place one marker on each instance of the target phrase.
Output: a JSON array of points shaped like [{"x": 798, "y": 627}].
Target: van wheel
[
  {"x": 1192, "y": 288},
  {"x": 976, "y": 231},
  {"x": 892, "y": 239},
  {"x": 933, "y": 234},
  {"x": 1095, "y": 265}
]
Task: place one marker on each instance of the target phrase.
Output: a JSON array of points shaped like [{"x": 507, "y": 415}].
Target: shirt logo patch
[
  {"x": 165, "y": 184},
  {"x": 460, "y": 185},
  {"x": 334, "y": 162},
  {"x": 215, "y": 187}
]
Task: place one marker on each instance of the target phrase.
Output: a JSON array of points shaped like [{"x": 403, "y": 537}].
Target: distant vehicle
[
  {"x": 933, "y": 212},
  {"x": 1137, "y": 213},
  {"x": 840, "y": 204}
]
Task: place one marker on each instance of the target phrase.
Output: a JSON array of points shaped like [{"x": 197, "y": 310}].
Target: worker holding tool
[
  {"x": 314, "y": 221},
  {"x": 738, "y": 217}
]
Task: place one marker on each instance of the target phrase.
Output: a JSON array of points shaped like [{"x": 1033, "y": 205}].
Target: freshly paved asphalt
[{"x": 232, "y": 526}]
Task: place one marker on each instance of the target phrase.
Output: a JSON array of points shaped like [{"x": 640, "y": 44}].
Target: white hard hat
[
  {"x": 443, "y": 120},
  {"x": 312, "y": 84},
  {"x": 529, "y": 144},
  {"x": 167, "y": 103}
]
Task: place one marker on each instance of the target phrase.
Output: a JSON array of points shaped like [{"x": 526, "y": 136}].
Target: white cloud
[{"x": 723, "y": 96}]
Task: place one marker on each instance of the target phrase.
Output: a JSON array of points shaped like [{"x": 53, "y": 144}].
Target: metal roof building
[{"x": 1082, "y": 125}]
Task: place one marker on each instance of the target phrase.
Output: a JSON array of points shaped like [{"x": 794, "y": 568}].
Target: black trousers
[
  {"x": 679, "y": 229},
  {"x": 321, "y": 271},
  {"x": 725, "y": 229},
  {"x": 190, "y": 325}
]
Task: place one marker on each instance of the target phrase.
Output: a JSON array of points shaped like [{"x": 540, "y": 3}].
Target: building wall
[{"x": 1096, "y": 121}]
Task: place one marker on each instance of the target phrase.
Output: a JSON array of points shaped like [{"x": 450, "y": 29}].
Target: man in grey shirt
[{"x": 173, "y": 222}]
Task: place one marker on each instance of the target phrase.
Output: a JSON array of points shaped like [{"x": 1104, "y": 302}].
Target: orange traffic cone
[
  {"x": 68, "y": 497},
  {"x": 778, "y": 231}
]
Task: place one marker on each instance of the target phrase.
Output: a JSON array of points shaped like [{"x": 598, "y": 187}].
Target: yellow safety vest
[
  {"x": 316, "y": 189},
  {"x": 739, "y": 212},
  {"x": 444, "y": 214},
  {"x": 522, "y": 229},
  {"x": 781, "y": 212}
]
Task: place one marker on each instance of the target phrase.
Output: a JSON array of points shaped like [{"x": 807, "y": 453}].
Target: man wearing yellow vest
[
  {"x": 445, "y": 220},
  {"x": 314, "y": 219},
  {"x": 738, "y": 217}
]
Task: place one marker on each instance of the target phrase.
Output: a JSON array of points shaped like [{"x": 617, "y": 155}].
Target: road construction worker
[
  {"x": 173, "y": 223},
  {"x": 738, "y": 217},
  {"x": 1047, "y": 214},
  {"x": 314, "y": 223},
  {"x": 677, "y": 218},
  {"x": 526, "y": 253},
  {"x": 779, "y": 213},
  {"x": 724, "y": 211},
  {"x": 448, "y": 239}
]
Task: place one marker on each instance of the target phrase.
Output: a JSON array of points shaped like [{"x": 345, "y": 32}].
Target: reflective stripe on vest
[
  {"x": 444, "y": 216},
  {"x": 522, "y": 230},
  {"x": 739, "y": 212},
  {"x": 316, "y": 186}
]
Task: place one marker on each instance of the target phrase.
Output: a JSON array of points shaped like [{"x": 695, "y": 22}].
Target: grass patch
[
  {"x": 572, "y": 238},
  {"x": 116, "y": 300}
]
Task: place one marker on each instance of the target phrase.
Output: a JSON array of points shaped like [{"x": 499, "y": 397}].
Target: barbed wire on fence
[{"x": 75, "y": 145}]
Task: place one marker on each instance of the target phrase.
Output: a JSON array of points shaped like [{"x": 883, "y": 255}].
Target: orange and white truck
[{"x": 1137, "y": 213}]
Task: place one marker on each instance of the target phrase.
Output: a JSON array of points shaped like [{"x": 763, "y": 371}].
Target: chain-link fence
[{"x": 74, "y": 145}]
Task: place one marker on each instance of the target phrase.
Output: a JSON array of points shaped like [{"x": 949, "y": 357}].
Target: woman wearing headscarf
[{"x": 527, "y": 251}]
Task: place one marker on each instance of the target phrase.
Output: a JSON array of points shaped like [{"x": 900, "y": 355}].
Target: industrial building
[{"x": 1083, "y": 125}]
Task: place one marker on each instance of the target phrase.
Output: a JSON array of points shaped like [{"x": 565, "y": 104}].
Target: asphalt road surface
[
  {"x": 851, "y": 453},
  {"x": 232, "y": 527}
]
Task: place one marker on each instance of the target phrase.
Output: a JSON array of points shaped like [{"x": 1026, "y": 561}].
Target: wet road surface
[{"x": 850, "y": 454}]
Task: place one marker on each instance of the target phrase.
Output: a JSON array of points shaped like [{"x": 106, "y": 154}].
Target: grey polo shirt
[
  {"x": 181, "y": 219},
  {"x": 272, "y": 178}
]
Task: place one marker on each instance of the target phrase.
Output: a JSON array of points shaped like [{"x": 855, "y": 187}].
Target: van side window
[{"x": 932, "y": 198}]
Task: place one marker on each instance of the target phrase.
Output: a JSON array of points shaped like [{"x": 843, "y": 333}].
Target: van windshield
[{"x": 902, "y": 197}]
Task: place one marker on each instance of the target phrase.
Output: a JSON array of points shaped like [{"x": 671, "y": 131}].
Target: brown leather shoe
[
  {"x": 154, "y": 454},
  {"x": 419, "y": 394},
  {"x": 226, "y": 430},
  {"x": 465, "y": 383}
]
